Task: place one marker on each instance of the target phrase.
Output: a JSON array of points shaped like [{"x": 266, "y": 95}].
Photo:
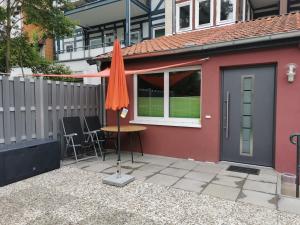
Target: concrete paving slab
[
  {"x": 228, "y": 181},
  {"x": 233, "y": 174},
  {"x": 291, "y": 205},
  {"x": 208, "y": 168},
  {"x": 157, "y": 160},
  {"x": 116, "y": 180},
  {"x": 204, "y": 177},
  {"x": 97, "y": 167},
  {"x": 152, "y": 168},
  {"x": 220, "y": 191},
  {"x": 185, "y": 164},
  {"x": 263, "y": 177},
  {"x": 141, "y": 175},
  {"x": 134, "y": 165},
  {"x": 258, "y": 198},
  {"x": 174, "y": 172},
  {"x": 260, "y": 186},
  {"x": 190, "y": 185},
  {"x": 113, "y": 170},
  {"x": 161, "y": 179}
]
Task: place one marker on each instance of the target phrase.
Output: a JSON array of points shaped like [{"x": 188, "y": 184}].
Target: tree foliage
[{"x": 46, "y": 15}]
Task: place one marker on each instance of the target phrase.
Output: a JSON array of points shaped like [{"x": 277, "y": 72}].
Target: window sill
[{"x": 191, "y": 124}]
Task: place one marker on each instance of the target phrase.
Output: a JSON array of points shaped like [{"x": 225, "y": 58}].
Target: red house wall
[{"x": 204, "y": 143}]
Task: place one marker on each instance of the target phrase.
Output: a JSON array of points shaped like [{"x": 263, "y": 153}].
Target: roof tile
[{"x": 241, "y": 30}]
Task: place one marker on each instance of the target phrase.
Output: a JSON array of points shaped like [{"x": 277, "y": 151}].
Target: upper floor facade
[
  {"x": 133, "y": 21},
  {"x": 203, "y": 14}
]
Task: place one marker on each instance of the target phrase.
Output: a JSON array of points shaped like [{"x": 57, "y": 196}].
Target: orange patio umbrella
[{"x": 117, "y": 94}]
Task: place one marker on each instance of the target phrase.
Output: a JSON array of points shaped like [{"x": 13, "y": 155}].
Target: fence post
[
  {"x": 40, "y": 131},
  {"x": 6, "y": 112}
]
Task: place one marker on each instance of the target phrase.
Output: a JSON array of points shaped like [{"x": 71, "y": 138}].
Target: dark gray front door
[{"x": 248, "y": 115}]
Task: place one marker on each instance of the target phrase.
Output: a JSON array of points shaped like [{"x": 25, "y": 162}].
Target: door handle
[{"x": 226, "y": 127}]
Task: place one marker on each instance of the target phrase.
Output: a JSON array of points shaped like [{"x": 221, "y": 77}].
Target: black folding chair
[
  {"x": 75, "y": 137},
  {"x": 93, "y": 128}
]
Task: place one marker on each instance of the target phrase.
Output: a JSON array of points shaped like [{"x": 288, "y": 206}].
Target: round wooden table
[
  {"x": 124, "y": 129},
  {"x": 131, "y": 130}
]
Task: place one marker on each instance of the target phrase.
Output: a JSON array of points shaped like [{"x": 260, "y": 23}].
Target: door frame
[{"x": 222, "y": 68}]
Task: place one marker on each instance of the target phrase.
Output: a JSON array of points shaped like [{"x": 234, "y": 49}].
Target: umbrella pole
[{"x": 119, "y": 146}]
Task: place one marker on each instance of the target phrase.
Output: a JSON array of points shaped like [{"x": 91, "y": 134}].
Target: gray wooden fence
[{"x": 33, "y": 108}]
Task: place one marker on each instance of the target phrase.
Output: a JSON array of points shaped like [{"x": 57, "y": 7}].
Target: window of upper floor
[
  {"x": 226, "y": 11},
  {"x": 184, "y": 16},
  {"x": 158, "y": 31},
  {"x": 204, "y": 13}
]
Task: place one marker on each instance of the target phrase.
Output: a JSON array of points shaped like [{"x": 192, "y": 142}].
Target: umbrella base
[{"x": 118, "y": 180}]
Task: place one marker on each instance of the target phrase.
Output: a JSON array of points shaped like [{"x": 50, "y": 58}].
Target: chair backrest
[
  {"x": 92, "y": 123},
  {"x": 73, "y": 125}
]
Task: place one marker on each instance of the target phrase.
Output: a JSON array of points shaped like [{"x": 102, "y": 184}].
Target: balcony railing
[{"x": 85, "y": 52}]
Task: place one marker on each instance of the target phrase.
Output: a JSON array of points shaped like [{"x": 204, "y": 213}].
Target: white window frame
[
  {"x": 190, "y": 3},
  {"x": 197, "y": 15},
  {"x": 157, "y": 28},
  {"x": 135, "y": 32},
  {"x": 223, "y": 22},
  {"x": 166, "y": 120},
  {"x": 94, "y": 40}
]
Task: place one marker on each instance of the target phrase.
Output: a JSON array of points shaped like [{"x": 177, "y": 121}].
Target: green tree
[{"x": 47, "y": 15}]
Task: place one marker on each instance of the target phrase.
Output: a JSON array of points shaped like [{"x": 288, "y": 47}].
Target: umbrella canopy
[{"x": 117, "y": 94}]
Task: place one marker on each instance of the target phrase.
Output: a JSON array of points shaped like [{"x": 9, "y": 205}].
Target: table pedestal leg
[{"x": 141, "y": 146}]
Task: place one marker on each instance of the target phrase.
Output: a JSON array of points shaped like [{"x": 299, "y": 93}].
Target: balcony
[
  {"x": 91, "y": 12},
  {"x": 82, "y": 53}
]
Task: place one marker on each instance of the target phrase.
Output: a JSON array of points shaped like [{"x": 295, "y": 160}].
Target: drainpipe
[{"x": 127, "y": 25}]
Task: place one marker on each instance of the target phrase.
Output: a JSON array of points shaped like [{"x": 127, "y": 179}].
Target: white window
[
  {"x": 135, "y": 37},
  {"x": 69, "y": 47},
  {"x": 226, "y": 11},
  {"x": 204, "y": 13},
  {"x": 96, "y": 43},
  {"x": 184, "y": 16},
  {"x": 109, "y": 39},
  {"x": 171, "y": 98},
  {"x": 158, "y": 32}
]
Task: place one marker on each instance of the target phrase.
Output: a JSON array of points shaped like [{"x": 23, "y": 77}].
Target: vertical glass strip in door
[{"x": 246, "y": 132}]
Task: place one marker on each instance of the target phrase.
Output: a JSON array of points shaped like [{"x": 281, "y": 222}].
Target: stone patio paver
[
  {"x": 204, "y": 177},
  {"x": 157, "y": 160},
  {"x": 152, "y": 168},
  {"x": 174, "y": 172},
  {"x": 162, "y": 180},
  {"x": 233, "y": 174},
  {"x": 228, "y": 181},
  {"x": 208, "y": 168},
  {"x": 185, "y": 164},
  {"x": 288, "y": 204},
  {"x": 113, "y": 170},
  {"x": 133, "y": 165},
  {"x": 141, "y": 175},
  {"x": 220, "y": 191},
  {"x": 260, "y": 186},
  {"x": 263, "y": 177},
  {"x": 97, "y": 167},
  {"x": 190, "y": 185},
  {"x": 258, "y": 198}
]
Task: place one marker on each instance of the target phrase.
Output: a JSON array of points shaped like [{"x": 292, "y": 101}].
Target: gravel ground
[{"x": 74, "y": 196}]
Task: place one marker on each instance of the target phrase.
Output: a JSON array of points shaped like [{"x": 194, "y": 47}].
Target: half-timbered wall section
[{"x": 91, "y": 39}]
